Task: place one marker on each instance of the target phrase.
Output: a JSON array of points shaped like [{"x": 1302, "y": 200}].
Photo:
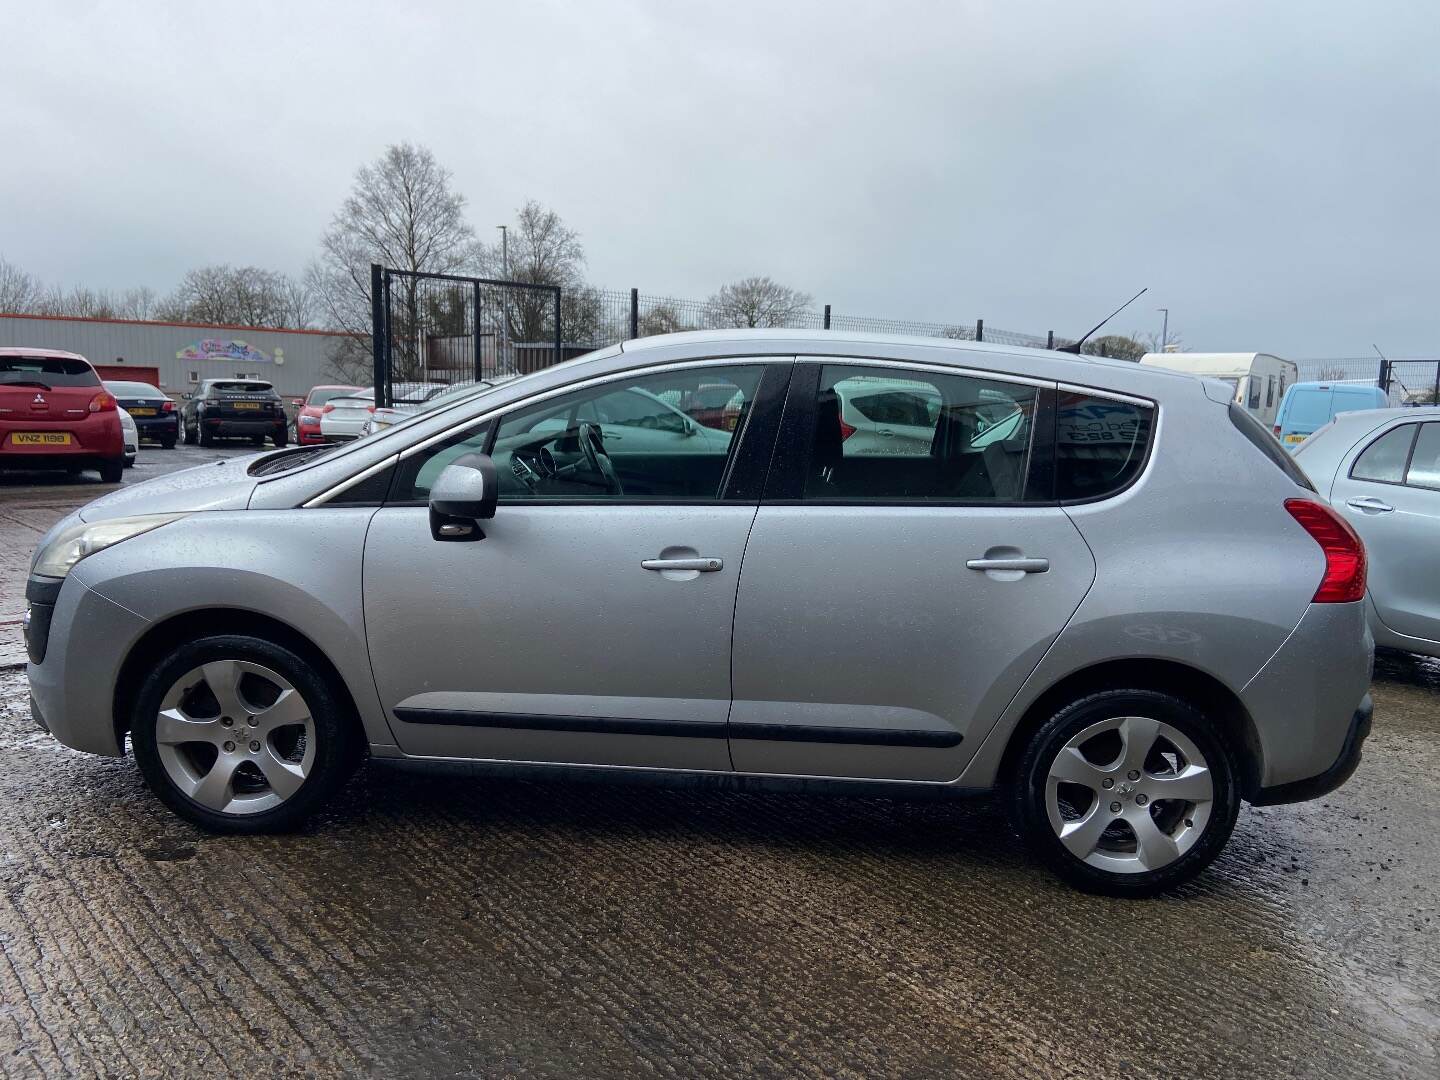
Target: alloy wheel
[
  {"x": 235, "y": 736},
  {"x": 1130, "y": 794}
]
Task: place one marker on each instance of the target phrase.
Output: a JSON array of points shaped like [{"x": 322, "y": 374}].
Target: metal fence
[
  {"x": 442, "y": 328},
  {"x": 610, "y": 315},
  {"x": 1412, "y": 380}
]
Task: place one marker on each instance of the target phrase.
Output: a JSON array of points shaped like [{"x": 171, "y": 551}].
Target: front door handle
[
  {"x": 1369, "y": 504},
  {"x": 1024, "y": 565},
  {"x": 704, "y": 565}
]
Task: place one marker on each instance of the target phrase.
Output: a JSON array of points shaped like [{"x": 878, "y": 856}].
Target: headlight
[
  {"x": 309, "y": 419},
  {"x": 82, "y": 539}
]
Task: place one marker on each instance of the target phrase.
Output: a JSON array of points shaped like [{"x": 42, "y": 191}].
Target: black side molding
[
  {"x": 858, "y": 736},
  {"x": 603, "y": 725},
  {"x": 618, "y": 725}
]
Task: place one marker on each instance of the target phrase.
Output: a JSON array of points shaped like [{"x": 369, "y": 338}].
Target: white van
[{"x": 1259, "y": 379}]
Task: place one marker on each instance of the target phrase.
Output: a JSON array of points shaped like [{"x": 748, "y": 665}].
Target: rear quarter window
[{"x": 1100, "y": 445}]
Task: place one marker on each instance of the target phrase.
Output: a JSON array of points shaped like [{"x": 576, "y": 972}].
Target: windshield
[
  {"x": 46, "y": 372},
  {"x": 1309, "y": 407},
  {"x": 133, "y": 389}
]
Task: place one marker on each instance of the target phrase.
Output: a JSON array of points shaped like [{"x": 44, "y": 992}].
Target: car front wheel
[
  {"x": 1126, "y": 793},
  {"x": 241, "y": 735}
]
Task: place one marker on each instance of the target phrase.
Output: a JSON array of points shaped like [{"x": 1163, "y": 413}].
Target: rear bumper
[
  {"x": 157, "y": 427},
  {"x": 80, "y": 457},
  {"x": 1339, "y": 771},
  {"x": 1304, "y": 701}
]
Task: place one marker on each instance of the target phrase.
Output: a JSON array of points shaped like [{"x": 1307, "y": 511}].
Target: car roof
[
  {"x": 1038, "y": 363},
  {"x": 48, "y": 354}
]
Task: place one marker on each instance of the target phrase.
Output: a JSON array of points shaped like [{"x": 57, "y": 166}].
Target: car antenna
[{"x": 1074, "y": 348}]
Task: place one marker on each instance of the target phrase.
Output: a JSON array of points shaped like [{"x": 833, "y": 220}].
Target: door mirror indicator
[{"x": 463, "y": 494}]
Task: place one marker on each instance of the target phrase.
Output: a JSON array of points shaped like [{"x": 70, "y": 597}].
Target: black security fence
[
  {"x": 617, "y": 315},
  {"x": 1410, "y": 381},
  {"x": 445, "y": 329}
]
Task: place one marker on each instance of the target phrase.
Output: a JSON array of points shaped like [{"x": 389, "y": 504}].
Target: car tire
[
  {"x": 257, "y": 440},
  {"x": 129, "y": 463},
  {"x": 113, "y": 471},
  {"x": 206, "y": 439},
  {"x": 168, "y": 444},
  {"x": 318, "y": 770},
  {"x": 280, "y": 439},
  {"x": 1150, "y": 734}
]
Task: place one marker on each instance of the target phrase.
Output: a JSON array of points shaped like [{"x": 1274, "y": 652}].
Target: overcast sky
[{"x": 1269, "y": 170}]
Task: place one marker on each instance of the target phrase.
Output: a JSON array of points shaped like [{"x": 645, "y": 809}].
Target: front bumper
[
  {"x": 225, "y": 426},
  {"x": 1341, "y": 770},
  {"x": 72, "y": 688}
]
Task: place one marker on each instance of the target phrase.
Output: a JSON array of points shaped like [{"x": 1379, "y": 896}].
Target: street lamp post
[
  {"x": 505, "y": 294},
  {"x": 1164, "y": 329}
]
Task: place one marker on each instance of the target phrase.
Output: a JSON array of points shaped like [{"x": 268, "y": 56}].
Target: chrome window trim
[
  {"x": 346, "y": 484},
  {"x": 1113, "y": 395}
]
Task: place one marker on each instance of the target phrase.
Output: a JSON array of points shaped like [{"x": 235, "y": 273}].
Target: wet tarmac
[{"x": 439, "y": 925}]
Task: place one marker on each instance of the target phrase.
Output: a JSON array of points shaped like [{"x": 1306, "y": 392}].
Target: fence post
[
  {"x": 559, "y": 339},
  {"x": 1435, "y": 394},
  {"x": 827, "y": 316},
  {"x": 1050, "y": 339},
  {"x": 979, "y": 329},
  {"x": 634, "y": 314},
  {"x": 479, "y": 359},
  {"x": 377, "y": 330},
  {"x": 1383, "y": 379}
]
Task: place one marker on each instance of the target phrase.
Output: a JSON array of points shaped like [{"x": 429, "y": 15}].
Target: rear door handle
[
  {"x": 704, "y": 565},
  {"x": 1369, "y": 503},
  {"x": 1024, "y": 565}
]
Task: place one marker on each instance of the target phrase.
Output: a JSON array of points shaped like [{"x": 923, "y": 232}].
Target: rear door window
[
  {"x": 1383, "y": 461},
  {"x": 1100, "y": 445},
  {"x": 1424, "y": 468}
]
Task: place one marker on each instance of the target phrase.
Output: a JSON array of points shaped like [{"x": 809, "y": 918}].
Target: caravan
[{"x": 1258, "y": 379}]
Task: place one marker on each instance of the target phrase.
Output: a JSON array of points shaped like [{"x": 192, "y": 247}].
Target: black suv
[{"x": 235, "y": 408}]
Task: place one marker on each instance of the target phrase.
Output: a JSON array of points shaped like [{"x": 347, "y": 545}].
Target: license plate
[
  {"x": 141, "y": 412},
  {"x": 1294, "y": 438},
  {"x": 247, "y": 405},
  {"x": 40, "y": 438}
]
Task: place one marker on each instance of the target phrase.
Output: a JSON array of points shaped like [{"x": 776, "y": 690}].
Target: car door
[
  {"x": 1390, "y": 493},
  {"x": 890, "y": 606},
  {"x": 591, "y": 624}
]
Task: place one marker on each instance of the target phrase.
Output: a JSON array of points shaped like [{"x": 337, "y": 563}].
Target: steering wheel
[{"x": 593, "y": 447}]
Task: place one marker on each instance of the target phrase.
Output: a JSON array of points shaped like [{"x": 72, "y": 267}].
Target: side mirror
[{"x": 463, "y": 495}]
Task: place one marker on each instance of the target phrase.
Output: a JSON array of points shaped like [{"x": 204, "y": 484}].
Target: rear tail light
[
  {"x": 1344, "y": 580},
  {"x": 370, "y": 408},
  {"x": 846, "y": 430},
  {"x": 1277, "y": 431},
  {"x": 327, "y": 408},
  {"x": 102, "y": 402},
  {"x": 169, "y": 406}
]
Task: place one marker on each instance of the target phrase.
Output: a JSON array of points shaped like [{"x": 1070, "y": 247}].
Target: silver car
[
  {"x": 1380, "y": 468},
  {"x": 1128, "y": 610}
]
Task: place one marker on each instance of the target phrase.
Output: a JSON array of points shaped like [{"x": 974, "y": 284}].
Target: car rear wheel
[
  {"x": 242, "y": 735},
  {"x": 168, "y": 444},
  {"x": 281, "y": 438},
  {"x": 1126, "y": 793},
  {"x": 206, "y": 439},
  {"x": 111, "y": 472}
]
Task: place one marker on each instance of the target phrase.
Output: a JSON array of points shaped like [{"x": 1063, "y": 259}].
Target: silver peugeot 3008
[{"x": 1099, "y": 588}]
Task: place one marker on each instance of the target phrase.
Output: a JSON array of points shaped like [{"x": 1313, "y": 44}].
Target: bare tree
[
  {"x": 19, "y": 290},
  {"x": 240, "y": 296},
  {"x": 758, "y": 301},
  {"x": 543, "y": 250},
  {"x": 402, "y": 213},
  {"x": 1117, "y": 347},
  {"x": 1330, "y": 373},
  {"x": 1152, "y": 342},
  {"x": 662, "y": 318}
]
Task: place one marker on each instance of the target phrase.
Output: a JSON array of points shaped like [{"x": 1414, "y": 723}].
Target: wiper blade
[{"x": 27, "y": 382}]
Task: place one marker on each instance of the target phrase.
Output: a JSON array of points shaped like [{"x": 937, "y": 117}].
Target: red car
[
  {"x": 307, "y": 420},
  {"x": 54, "y": 414}
]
